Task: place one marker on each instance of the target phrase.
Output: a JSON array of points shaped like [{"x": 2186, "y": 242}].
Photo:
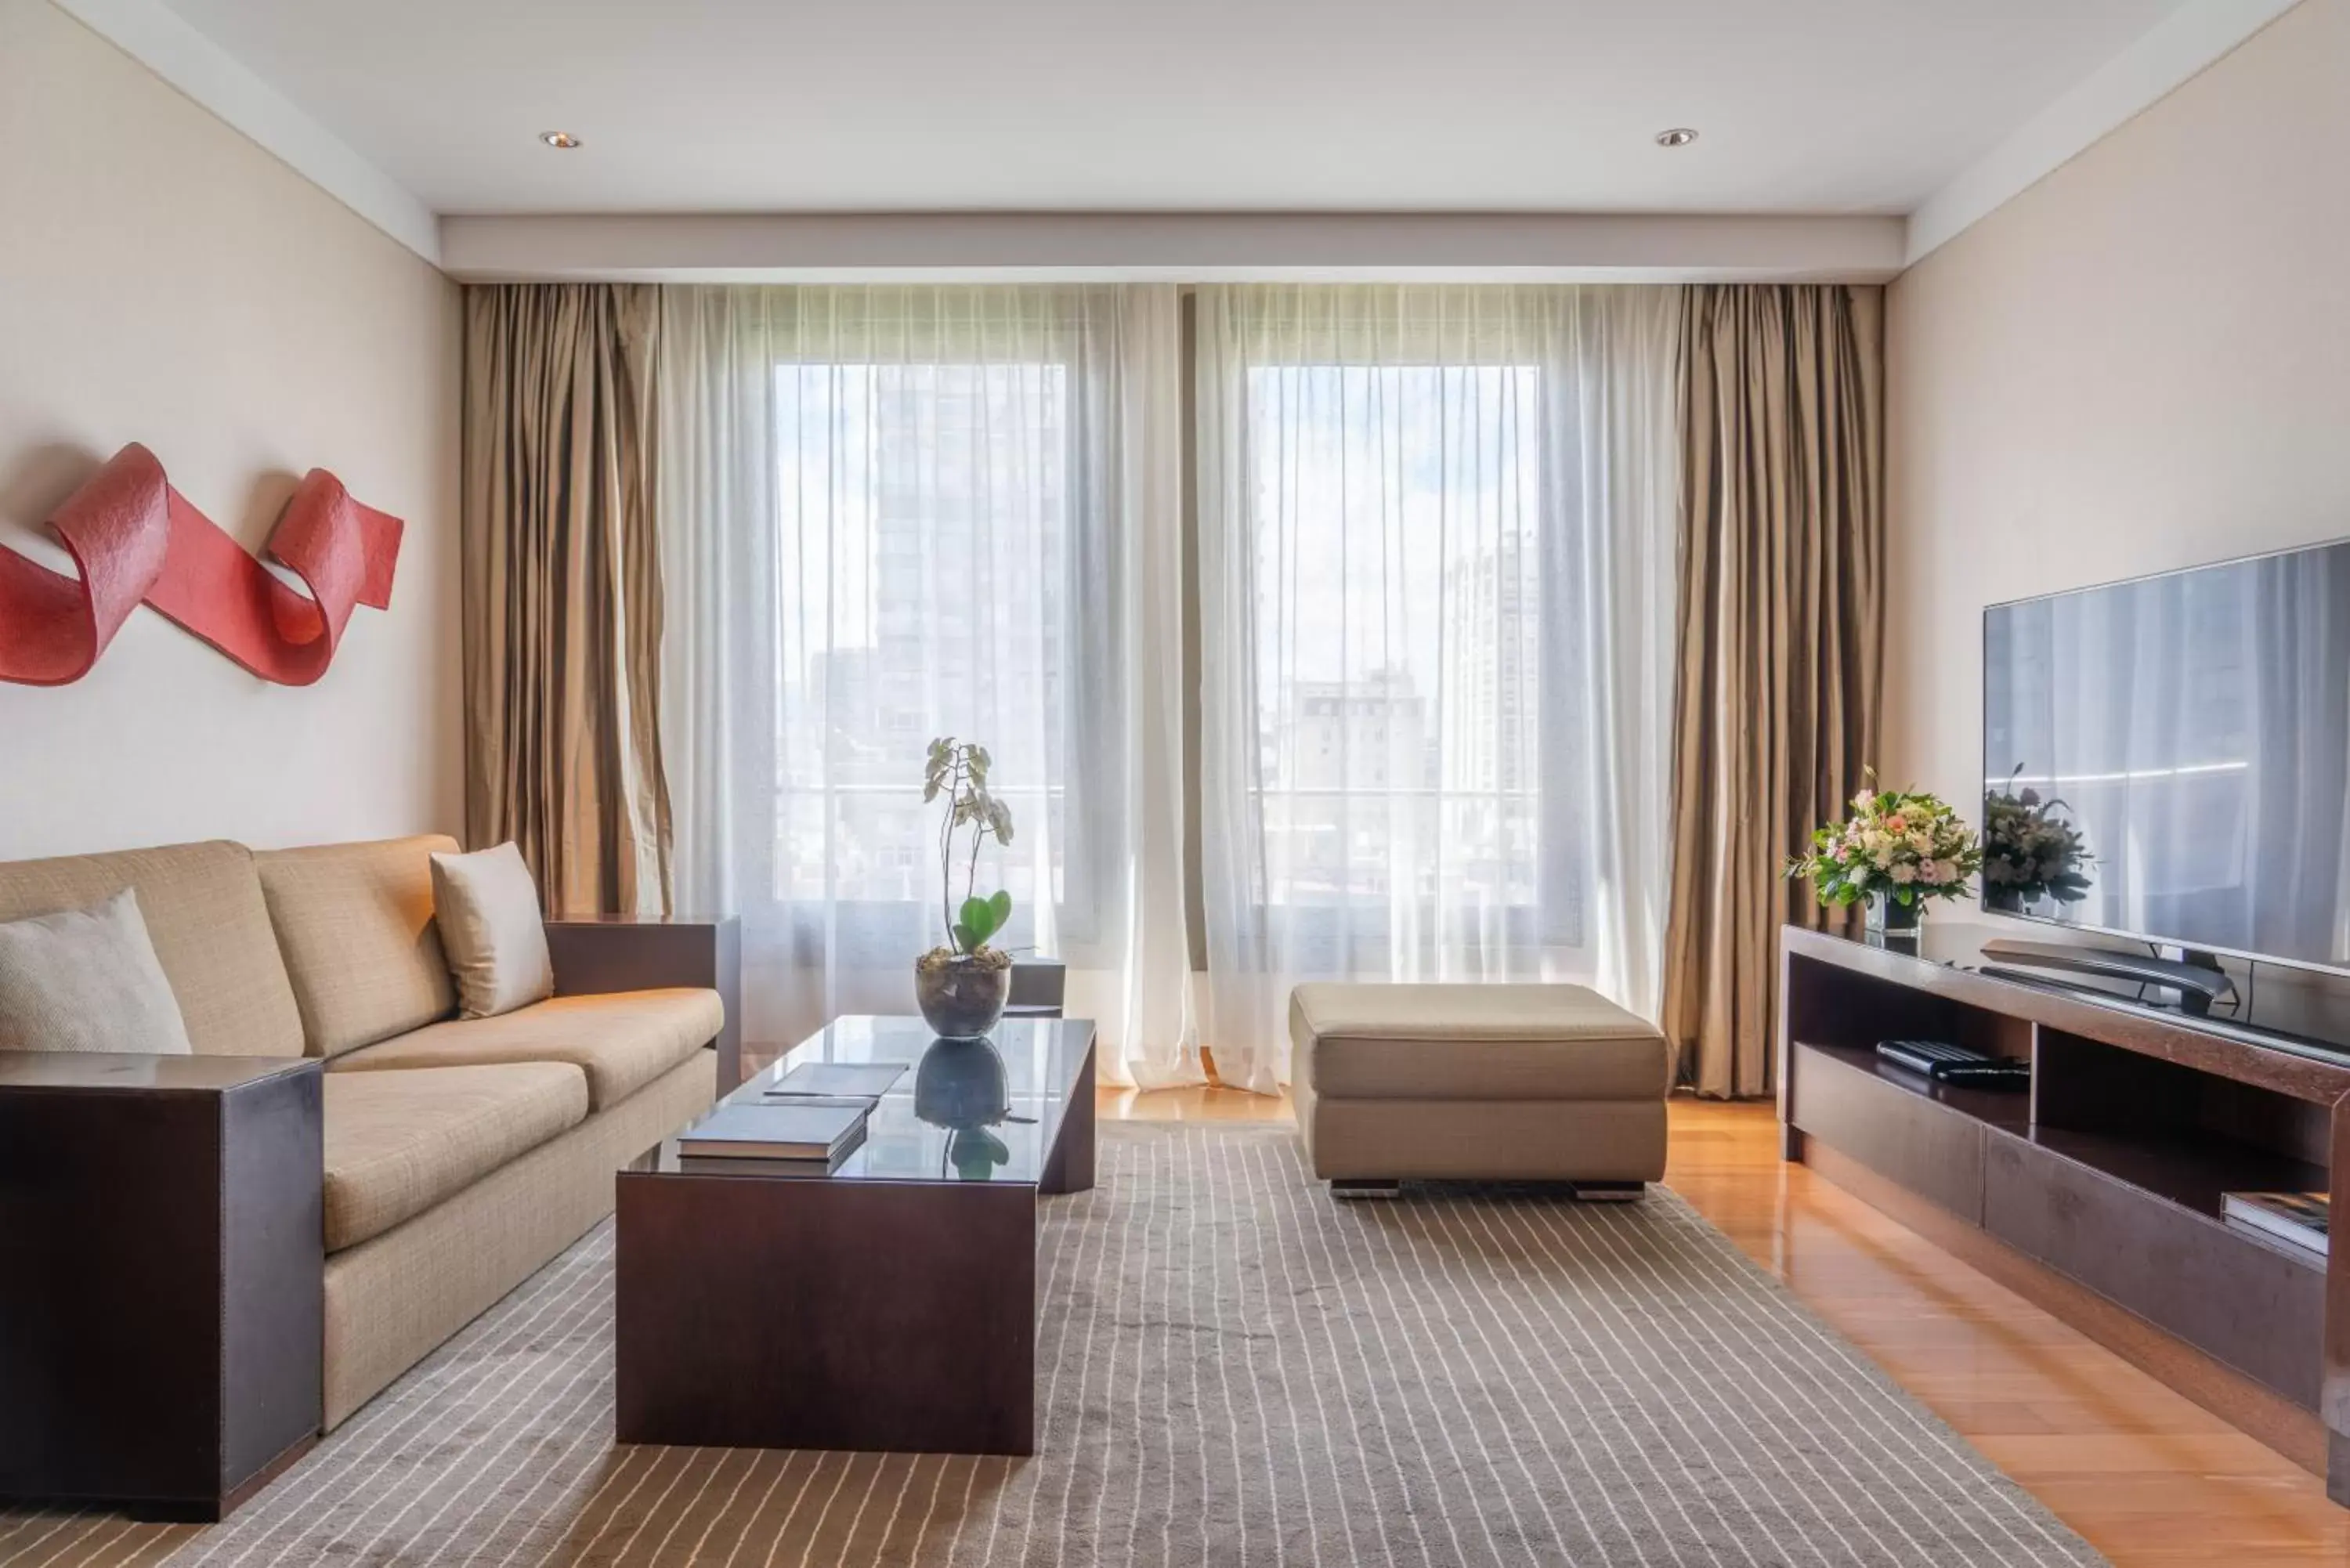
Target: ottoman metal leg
[
  {"x": 1364, "y": 1187},
  {"x": 1609, "y": 1191}
]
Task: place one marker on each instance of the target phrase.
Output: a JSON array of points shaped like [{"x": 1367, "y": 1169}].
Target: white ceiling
[{"x": 1805, "y": 106}]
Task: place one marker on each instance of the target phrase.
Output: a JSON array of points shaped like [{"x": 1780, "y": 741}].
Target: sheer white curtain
[
  {"x": 1437, "y": 546},
  {"x": 890, "y": 512}
]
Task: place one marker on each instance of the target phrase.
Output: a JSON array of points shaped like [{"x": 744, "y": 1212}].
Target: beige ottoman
[{"x": 1549, "y": 1083}]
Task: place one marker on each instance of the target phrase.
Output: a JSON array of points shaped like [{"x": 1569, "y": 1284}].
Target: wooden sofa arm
[
  {"x": 162, "y": 1264},
  {"x": 595, "y": 954}
]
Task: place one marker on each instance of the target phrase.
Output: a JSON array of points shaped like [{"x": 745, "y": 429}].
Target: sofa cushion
[
  {"x": 398, "y": 1143},
  {"x": 203, "y": 910},
  {"x": 491, "y": 929},
  {"x": 355, "y": 921},
  {"x": 622, "y": 1041},
  {"x": 86, "y": 979},
  {"x": 1474, "y": 1042}
]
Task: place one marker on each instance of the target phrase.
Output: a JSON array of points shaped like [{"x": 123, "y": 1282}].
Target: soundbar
[{"x": 2199, "y": 985}]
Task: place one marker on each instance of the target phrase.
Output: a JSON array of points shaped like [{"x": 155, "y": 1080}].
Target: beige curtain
[
  {"x": 562, "y": 591},
  {"x": 1782, "y": 632}
]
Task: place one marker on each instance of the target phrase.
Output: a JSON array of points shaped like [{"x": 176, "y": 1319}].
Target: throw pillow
[
  {"x": 86, "y": 979},
  {"x": 487, "y": 907}
]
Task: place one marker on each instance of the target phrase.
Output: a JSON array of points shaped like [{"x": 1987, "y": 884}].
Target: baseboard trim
[{"x": 2268, "y": 1417}]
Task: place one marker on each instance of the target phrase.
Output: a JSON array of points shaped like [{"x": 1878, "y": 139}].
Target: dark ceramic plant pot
[{"x": 962, "y": 1000}]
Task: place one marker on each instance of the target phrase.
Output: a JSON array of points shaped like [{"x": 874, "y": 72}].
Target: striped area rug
[{"x": 1235, "y": 1370}]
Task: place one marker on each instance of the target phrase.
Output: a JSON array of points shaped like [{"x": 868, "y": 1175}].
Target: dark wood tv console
[{"x": 2097, "y": 1194}]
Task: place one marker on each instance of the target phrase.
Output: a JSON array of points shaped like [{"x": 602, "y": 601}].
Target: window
[
  {"x": 1432, "y": 605},
  {"x": 923, "y": 511},
  {"x": 1399, "y": 613},
  {"x": 1432, "y": 516}
]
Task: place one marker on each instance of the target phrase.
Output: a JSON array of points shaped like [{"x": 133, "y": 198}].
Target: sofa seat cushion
[
  {"x": 398, "y": 1143},
  {"x": 1474, "y": 1042},
  {"x": 622, "y": 1041},
  {"x": 355, "y": 921}
]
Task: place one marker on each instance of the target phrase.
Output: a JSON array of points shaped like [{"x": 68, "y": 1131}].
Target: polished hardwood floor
[{"x": 2151, "y": 1479}]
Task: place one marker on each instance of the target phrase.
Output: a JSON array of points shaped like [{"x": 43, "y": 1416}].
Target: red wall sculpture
[{"x": 136, "y": 538}]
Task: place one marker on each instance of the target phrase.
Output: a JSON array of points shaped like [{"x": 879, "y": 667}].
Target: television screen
[{"x": 2169, "y": 758}]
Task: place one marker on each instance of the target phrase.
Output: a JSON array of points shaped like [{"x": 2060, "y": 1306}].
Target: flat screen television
[{"x": 2169, "y": 758}]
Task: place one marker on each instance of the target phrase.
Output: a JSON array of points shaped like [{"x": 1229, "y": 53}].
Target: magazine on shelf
[{"x": 2297, "y": 1218}]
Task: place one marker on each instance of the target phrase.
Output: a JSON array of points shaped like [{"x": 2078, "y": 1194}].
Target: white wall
[
  {"x": 2142, "y": 362},
  {"x": 164, "y": 280}
]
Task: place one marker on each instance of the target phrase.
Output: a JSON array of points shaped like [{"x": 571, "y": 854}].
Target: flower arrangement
[
  {"x": 2030, "y": 852},
  {"x": 1898, "y": 846}
]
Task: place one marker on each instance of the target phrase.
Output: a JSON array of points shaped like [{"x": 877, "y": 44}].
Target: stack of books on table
[
  {"x": 805, "y": 1125},
  {"x": 2296, "y": 1219}
]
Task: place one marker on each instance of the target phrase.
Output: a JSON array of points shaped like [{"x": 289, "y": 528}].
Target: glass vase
[
  {"x": 1888, "y": 917},
  {"x": 962, "y": 998}
]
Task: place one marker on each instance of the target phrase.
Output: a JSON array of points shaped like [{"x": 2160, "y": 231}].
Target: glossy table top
[{"x": 970, "y": 1110}]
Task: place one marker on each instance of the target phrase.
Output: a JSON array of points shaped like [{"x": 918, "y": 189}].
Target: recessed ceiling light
[
  {"x": 562, "y": 139},
  {"x": 1679, "y": 136}
]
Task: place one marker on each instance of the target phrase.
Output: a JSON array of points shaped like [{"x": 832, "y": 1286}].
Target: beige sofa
[{"x": 460, "y": 1156}]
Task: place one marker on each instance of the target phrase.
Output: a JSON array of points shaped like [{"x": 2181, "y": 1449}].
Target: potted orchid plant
[
  {"x": 1897, "y": 850},
  {"x": 961, "y": 985}
]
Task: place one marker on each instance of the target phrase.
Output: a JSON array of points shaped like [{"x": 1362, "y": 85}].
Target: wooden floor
[{"x": 2151, "y": 1479}]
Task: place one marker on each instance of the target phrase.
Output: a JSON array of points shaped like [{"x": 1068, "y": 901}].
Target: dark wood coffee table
[{"x": 890, "y": 1305}]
